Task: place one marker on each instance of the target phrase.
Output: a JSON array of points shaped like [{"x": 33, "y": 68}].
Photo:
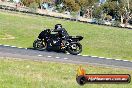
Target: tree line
[{"x": 119, "y": 10}]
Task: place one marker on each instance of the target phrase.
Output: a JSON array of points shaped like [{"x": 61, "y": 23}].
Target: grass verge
[
  {"x": 98, "y": 40},
  {"x": 18, "y": 73}
]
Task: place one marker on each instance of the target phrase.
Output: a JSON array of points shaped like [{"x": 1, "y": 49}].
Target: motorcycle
[{"x": 53, "y": 42}]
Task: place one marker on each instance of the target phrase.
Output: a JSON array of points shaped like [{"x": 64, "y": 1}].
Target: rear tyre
[
  {"x": 39, "y": 45},
  {"x": 75, "y": 48}
]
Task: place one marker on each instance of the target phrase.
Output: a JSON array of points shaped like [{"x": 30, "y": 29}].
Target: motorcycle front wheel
[
  {"x": 39, "y": 45},
  {"x": 74, "y": 48}
]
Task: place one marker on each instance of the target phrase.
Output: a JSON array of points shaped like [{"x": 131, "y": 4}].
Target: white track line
[
  {"x": 20, "y": 47},
  {"x": 57, "y": 57},
  {"x": 94, "y": 56},
  {"x": 108, "y": 58},
  {"x": 65, "y": 58},
  {"x": 6, "y": 45},
  {"x": 49, "y": 56},
  {"x": 40, "y": 55},
  {"x": 101, "y": 57},
  {"x": 85, "y": 55},
  {"x": 126, "y": 60},
  {"x": 116, "y": 59},
  {"x": 13, "y": 46}
]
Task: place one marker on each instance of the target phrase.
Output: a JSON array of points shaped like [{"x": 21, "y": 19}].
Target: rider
[{"x": 62, "y": 33}]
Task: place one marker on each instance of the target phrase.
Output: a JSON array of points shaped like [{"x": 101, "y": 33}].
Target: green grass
[
  {"x": 98, "y": 40},
  {"x": 18, "y": 73}
]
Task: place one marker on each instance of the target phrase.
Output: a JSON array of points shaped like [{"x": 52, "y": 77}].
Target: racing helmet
[{"x": 58, "y": 27}]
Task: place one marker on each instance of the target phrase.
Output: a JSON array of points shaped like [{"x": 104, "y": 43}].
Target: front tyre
[
  {"x": 74, "y": 48},
  {"x": 39, "y": 45}
]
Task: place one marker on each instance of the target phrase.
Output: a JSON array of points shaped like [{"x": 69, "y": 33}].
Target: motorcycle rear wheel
[{"x": 39, "y": 45}]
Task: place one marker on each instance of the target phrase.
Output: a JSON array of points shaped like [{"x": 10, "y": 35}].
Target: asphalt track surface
[{"x": 23, "y": 53}]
